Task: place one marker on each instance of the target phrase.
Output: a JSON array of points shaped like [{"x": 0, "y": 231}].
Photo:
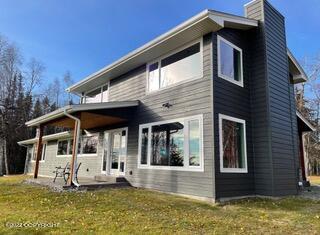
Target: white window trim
[
  {"x": 79, "y": 154},
  {"x": 232, "y": 170},
  {"x": 186, "y": 166},
  {"x": 33, "y": 148},
  {"x": 199, "y": 40},
  {"x": 229, "y": 79},
  {"x": 101, "y": 92},
  {"x": 43, "y": 153},
  {"x": 68, "y": 146}
]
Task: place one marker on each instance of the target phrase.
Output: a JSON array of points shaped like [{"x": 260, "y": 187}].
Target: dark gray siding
[
  {"x": 273, "y": 108},
  {"x": 233, "y": 100},
  {"x": 188, "y": 99},
  {"x": 260, "y": 106},
  {"x": 281, "y": 111}
]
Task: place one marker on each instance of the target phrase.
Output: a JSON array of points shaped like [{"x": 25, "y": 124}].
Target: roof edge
[
  {"x": 306, "y": 121},
  {"x": 213, "y": 15},
  {"x": 80, "y": 107},
  {"x": 304, "y": 76},
  {"x": 46, "y": 138}
]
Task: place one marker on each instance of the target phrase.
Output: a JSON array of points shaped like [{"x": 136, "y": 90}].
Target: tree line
[{"x": 24, "y": 96}]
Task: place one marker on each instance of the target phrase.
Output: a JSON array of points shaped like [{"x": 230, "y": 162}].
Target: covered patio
[
  {"x": 77, "y": 118},
  {"x": 84, "y": 184}
]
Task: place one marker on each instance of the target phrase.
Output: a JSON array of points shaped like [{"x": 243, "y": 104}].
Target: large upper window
[
  {"x": 233, "y": 150},
  {"x": 97, "y": 95},
  {"x": 183, "y": 65},
  {"x": 230, "y": 62},
  {"x": 175, "y": 144}
]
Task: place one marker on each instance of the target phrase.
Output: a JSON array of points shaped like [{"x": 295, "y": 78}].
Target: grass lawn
[
  {"x": 314, "y": 179},
  {"x": 138, "y": 211}
]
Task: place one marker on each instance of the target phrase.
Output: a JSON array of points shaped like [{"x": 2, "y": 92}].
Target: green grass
[
  {"x": 315, "y": 180},
  {"x": 138, "y": 211}
]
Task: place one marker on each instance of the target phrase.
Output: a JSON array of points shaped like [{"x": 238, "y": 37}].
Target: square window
[
  {"x": 233, "y": 151},
  {"x": 230, "y": 62}
]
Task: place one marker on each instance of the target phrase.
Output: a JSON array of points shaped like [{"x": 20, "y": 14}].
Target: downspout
[{"x": 78, "y": 121}]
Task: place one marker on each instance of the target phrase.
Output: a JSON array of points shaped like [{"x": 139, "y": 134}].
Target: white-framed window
[
  {"x": 172, "y": 145},
  {"x": 88, "y": 145},
  {"x": 64, "y": 148},
  {"x": 230, "y": 64},
  {"x": 31, "y": 152},
  {"x": 232, "y": 145},
  {"x": 183, "y": 64},
  {"x": 97, "y": 95},
  {"x": 44, "y": 151}
]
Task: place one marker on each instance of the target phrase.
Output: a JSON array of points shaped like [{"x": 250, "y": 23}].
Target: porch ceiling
[
  {"x": 88, "y": 121},
  {"x": 91, "y": 115}
]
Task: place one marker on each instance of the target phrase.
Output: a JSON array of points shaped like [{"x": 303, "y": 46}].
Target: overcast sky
[{"x": 83, "y": 36}]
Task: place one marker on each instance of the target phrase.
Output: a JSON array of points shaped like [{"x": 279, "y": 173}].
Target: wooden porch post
[
  {"x": 74, "y": 152},
  {"x": 39, "y": 150}
]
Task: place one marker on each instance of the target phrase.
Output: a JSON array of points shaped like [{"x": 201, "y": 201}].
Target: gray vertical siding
[
  {"x": 233, "y": 100},
  {"x": 188, "y": 99}
]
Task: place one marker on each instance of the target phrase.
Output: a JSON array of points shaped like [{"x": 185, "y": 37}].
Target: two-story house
[{"x": 207, "y": 109}]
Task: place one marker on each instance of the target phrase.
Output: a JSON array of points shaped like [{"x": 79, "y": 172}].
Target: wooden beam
[
  {"x": 39, "y": 151},
  {"x": 74, "y": 152}
]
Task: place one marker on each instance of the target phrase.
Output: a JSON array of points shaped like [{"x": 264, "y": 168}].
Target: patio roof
[
  {"x": 91, "y": 115},
  {"x": 64, "y": 134}
]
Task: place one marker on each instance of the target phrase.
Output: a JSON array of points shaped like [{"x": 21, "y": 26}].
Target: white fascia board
[
  {"x": 55, "y": 136},
  {"x": 138, "y": 51},
  {"x": 218, "y": 18},
  {"x": 306, "y": 121},
  {"x": 47, "y": 117},
  {"x": 302, "y": 77}
]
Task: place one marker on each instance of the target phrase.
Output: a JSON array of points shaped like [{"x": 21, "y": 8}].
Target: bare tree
[
  {"x": 308, "y": 103},
  {"x": 34, "y": 73},
  {"x": 68, "y": 81}
]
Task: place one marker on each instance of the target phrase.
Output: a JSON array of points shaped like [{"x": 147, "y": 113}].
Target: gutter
[{"x": 78, "y": 121}]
